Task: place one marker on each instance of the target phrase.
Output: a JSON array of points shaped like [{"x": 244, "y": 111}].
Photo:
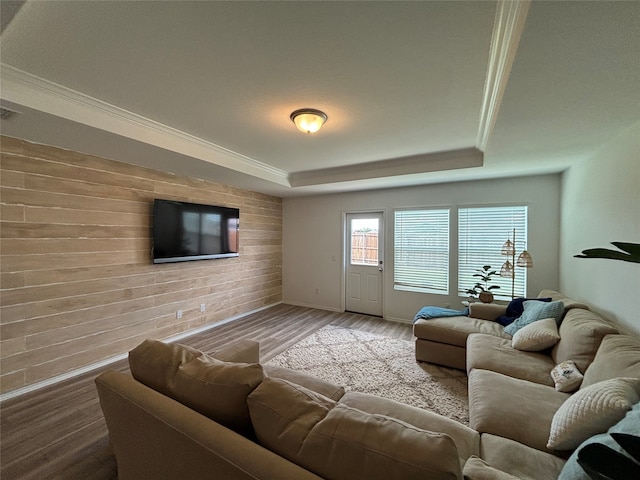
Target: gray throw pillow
[
  {"x": 629, "y": 424},
  {"x": 534, "y": 311}
]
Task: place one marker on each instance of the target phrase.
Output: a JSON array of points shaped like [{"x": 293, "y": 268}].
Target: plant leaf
[{"x": 630, "y": 252}]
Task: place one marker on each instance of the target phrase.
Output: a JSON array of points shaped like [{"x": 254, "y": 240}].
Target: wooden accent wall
[{"x": 77, "y": 281}]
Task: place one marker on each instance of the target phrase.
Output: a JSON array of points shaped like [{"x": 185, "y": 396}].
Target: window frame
[
  {"x": 409, "y": 277},
  {"x": 499, "y": 228}
]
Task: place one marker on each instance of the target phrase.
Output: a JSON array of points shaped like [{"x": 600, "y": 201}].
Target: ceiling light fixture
[{"x": 308, "y": 120}]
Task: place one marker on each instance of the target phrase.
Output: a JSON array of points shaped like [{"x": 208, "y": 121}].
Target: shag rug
[{"x": 386, "y": 367}]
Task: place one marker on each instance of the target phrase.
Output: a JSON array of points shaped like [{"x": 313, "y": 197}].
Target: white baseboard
[{"x": 80, "y": 371}]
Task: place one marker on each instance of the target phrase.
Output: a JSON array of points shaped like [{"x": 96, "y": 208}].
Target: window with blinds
[
  {"x": 421, "y": 250},
  {"x": 482, "y": 231}
]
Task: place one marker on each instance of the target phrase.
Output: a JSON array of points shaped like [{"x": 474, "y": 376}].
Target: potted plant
[{"x": 482, "y": 288}]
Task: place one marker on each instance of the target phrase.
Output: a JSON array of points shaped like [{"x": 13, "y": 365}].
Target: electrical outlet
[
  {"x": 179, "y": 314},
  {"x": 203, "y": 307}
]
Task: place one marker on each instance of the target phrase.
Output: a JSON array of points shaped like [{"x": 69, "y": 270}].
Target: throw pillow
[
  {"x": 536, "y": 336},
  {"x": 629, "y": 424},
  {"x": 592, "y": 410},
  {"x": 283, "y": 413},
  {"x": 534, "y": 311},
  {"x": 566, "y": 376},
  {"x": 515, "y": 309},
  {"x": 218, "y": 389}
]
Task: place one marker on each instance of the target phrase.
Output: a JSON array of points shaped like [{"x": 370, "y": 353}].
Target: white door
[{"x": 364, "y": 254}]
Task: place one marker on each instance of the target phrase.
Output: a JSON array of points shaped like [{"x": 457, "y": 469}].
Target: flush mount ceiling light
[{"x": 308, "y": 120}]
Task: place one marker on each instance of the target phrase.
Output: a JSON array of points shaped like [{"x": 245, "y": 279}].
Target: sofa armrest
[{"x": 486, "y": 311}]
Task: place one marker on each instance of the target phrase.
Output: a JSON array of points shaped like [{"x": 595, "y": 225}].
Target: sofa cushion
[
  {"x": 466, "y": 439},
  {"x": 455, "y": 330},
  {"x": 339, "y": 442},
  {"x": 349, "y": 443},
  {"x": 283, "y": 413},
  {"x": 515, "y": 309},
  {"x": 155, "y": 364},
  {"x": 569, "y": 303},
  {"x": 592, "y": 410},
  {"x": 212, "y": 387},
  {"x": 486, "y": 311},
  {"x": 496, "y": 354},
  {"x": 534, "y": 311},
  {"x": 501, "y": 405},
  {"x": 218, "y": 389},
  {"x": 566, "y": 377},
  {"x": 519, "y": 460},
  {"x": 630, "y": 424},
  {"x": 478, "y": 469},
  {"x": 581, "y": 333},
  {"x": 328, "y": 389},
  {"x": 536, "y": 336},
  {"x": 618, "y": 356}
]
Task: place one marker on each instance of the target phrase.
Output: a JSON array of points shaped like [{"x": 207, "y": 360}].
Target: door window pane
[{"x": 364, "y": 241}]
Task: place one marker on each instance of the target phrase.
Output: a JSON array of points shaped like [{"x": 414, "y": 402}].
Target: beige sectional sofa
[
  {"x": 528, "y": 427},
  {"x": 185, "y": 414}
]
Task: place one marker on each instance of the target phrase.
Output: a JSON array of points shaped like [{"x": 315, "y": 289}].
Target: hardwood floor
[{"x": 59, "y": 432}]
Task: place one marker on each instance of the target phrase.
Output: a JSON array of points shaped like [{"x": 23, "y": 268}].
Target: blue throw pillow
[
  {"x": 534, "y": 311},
  {"x": 629, "y": 424},
  {"x": 515, "y": 309},
  {"x": 516, "y": 306}
]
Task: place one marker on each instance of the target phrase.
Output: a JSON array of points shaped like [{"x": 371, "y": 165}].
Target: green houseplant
[{"x": 482, "y": 288}]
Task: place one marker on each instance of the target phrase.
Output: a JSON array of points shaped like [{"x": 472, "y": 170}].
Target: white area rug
[{"x": 370, "y": 363}]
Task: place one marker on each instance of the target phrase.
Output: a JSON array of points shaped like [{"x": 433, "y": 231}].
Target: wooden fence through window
[{"x": 364, "y": 248}]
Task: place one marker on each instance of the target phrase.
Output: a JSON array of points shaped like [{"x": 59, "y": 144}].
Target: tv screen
[{"x": 189, "y": 231}]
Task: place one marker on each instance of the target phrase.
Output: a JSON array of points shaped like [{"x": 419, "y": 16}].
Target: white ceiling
[{"x": 416, "y": 92}]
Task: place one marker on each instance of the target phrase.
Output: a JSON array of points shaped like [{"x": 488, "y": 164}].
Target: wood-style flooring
[{"x": 59, "y": 432}]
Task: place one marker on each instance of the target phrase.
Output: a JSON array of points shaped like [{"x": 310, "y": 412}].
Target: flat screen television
[{"x": 189, "y": 231}]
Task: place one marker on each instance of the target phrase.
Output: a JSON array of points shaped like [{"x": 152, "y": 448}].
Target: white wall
[
  {"x": 313, "y": 238},
  {"x": 601, "y": 204}
]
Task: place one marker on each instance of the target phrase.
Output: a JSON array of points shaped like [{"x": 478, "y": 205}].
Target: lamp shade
[
  {"x": 507, "y": 269},
  {"x": 524, "y": 260},
  {"x": 308, "y": 120},
  {"x": 508, "y": 248}
]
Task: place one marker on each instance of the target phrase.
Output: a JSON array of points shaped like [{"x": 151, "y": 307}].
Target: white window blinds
[
  {"x": 421, "y": 250},
  {"x": 482, "y": 231}
]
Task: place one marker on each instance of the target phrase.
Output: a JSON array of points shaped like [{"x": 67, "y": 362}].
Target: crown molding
[
  {"x": 39, "y": 94},
  {"x": 507, "y": 30}
]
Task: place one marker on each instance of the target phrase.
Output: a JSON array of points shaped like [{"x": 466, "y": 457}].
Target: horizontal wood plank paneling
[{"x": 77, "y": 282}]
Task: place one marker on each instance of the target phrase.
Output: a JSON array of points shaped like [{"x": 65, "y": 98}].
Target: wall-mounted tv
[{"x": 189, "y": 231}]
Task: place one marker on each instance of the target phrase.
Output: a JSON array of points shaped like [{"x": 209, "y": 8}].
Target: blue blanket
[{"x": 437, "y": 312}]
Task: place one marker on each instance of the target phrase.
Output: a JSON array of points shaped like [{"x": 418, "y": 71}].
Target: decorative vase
[{"x": 486, "y": 297}]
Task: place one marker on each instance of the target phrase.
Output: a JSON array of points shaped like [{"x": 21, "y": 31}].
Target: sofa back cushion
[
  {"x": 209, "y": 386},
  {"x": 219, "y": 390},
  {"x": 581, "y": 332},
  {"x": 339, "y": 442},
  {"x": 283, "y": 413},
  {"x": 618, "y": 356},
  {"x": 569, "y": 303},
  {"x": 155, "y": 364}
]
